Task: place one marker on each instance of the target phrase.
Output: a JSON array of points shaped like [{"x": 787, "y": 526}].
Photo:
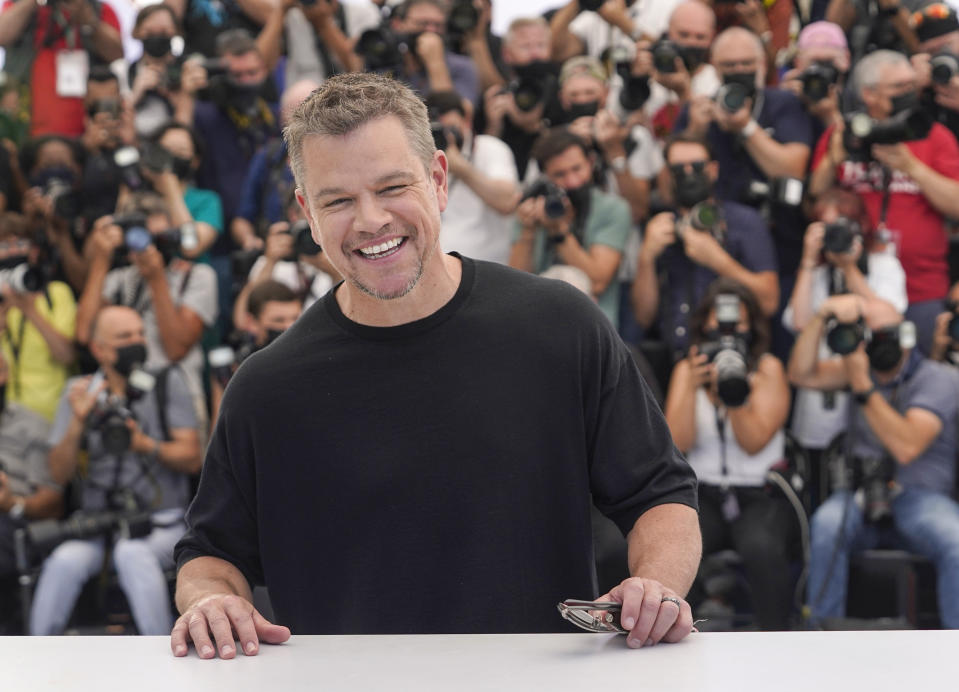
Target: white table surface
[{"x": 906, "y": 661}]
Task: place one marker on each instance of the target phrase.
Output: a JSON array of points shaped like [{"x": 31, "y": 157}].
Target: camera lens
[
  {"x": 837, "y": 238},
  {"x": 137, "y": 239},
  {"x": 731, "y": 381},
  {"x": 731, "y": 97},
  {"x": 843, "y": 339}
]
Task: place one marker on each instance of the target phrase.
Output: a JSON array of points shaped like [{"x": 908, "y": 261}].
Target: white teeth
[{"x": 380, "y": 249}]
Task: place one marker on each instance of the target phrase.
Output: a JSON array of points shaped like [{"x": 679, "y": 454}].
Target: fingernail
[
  {"x": 633, "y": 643},
  {"x": 629, "y": 622},
  {"x": 226, "y": 650},
  {"x": 649, "y": 642},
  {"x": 180, "y": 650},
  {"x": 250, "y": 647},
  {"x": 207, "y": 650}
]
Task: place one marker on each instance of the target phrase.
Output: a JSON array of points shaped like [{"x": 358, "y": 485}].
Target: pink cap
[{"x": 822, "y": 34}]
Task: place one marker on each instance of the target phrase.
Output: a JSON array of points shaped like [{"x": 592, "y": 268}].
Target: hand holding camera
[
  {"x": 279, "y": 242},
  {"x": 845, "y": 309},
  {"x": 702, "y": 373},
  {"x": 812, "y": 245},
  {"x": 83, "y": 397},
  {"x": 660, "y": 234},
  {"x": 105, "y": 238}
]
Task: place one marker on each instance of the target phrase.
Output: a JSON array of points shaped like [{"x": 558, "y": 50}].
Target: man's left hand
[
  {"x": 896, "y": 157},
  {"x": 24, "y": 301},
  {"x": 701, "y": 247},
  {"x": 650, "y": 612},
  {"x": 734, "y": 122},
  {"x": 149, "y": 263},
  {"x": 857, "y": 369},
  {"x": 430, "y": 47}
]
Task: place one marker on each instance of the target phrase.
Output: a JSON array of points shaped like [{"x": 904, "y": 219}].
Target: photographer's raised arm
[
  {"x": 180, "y": 327},
  {"x": 824, "y": 174},
  {"x": 214, "y": 597},
  {"x": 703, "y": 249},
  {"x": 765, "y": 411},
  {"x": 66, "y": 453},
  {"x": 14, "y": 20},
  {"x": 563, "y": 44},
  {"x": 168, "y": 185},
  {"x": 600, "y": 262},
  {"x": 805, "y": 369},
  {"x": 777, "y": 160},
  {"x": 941, "y": 192},
  {"x": 499, "y": 194},
  {"x": 103, "y": 239}
]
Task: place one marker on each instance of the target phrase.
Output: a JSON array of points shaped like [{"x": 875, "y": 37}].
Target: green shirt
[{"x": 205, "y": 206}]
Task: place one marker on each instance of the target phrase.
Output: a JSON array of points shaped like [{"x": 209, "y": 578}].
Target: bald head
[
  {"x": 115, "y": 323},
  {"x": 294, "y": 95},
  {"x": 692, "y": 15},
  {"x": 739, "y": 50}
]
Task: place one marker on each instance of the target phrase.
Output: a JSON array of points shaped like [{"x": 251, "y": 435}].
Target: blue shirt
[
  {"x": 462, "y": 73},
  {"x": 683, "y": 282},
  {"x": 783, "y": 117},
  {"x": 267, "y": 179}
]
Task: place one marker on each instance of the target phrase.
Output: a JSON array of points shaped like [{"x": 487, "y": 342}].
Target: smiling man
[{"x": 419, "y": 452}]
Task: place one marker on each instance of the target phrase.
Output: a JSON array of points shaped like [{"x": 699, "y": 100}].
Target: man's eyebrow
[{"x": 390, "y": 177}]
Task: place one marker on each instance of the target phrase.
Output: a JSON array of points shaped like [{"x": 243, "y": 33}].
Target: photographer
[
  {"x": 581, "y": 226},
  {"x": 909, "y": 186},
  {"x": 726, "y": 407},
  {"x": 484, "y": 186},
  {"x": 106, "y": 128},
  {"x": 759, "y": 136},
  {"x": 164, "y": 86},
  {"x": 819, "y": 73},
  {"x": 945, "y": 341},
  {"x": 590, "y": 27},
  {"x": 27, "y": 491},
  {"x": 874, "y": 25},
  {"x": 841, "y": 254},
  {"x": 51, "y": 46},
  {"x": 937, "y": 62},
  {"x": 900, "y": 437},
  {"x": 151, "y": 463},
  {"x": 684, "y": 251},
  {"x": 176, "y": 298},
  {"x": 37, "y": 322}
]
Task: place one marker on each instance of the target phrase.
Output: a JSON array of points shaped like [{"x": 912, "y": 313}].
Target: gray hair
[
  {"x": 866, "y": 74},
  {"x": 345, "y": 102},
  {"x": 521, "y": 23},
  {"x": 738, "y": 32}
]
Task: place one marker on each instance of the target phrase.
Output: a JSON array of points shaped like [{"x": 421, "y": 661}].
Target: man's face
[
  {"x": 690, "y": 158},
  {"x": 691, "y": 27},
  {"x": 456, "y": 119},
  {"x": 247, "y": 69},
  {"x": 736, "y": 55},
  {"x": 526, "y": 45},
  {"x": 570, "y": 170},
  {"x": 894, "y": 80},
  {"x": 56, "y": 154},
  {"x": 276, "y": 316},
  {"x": 813, "y": 54},
  {"x": 423, "y": 17},
  {"x": 582, "y": 89},
  {"x": 369, "y": 191},
  {"x": 122, "y": 328},
  {"x": 948, "y": 43}
]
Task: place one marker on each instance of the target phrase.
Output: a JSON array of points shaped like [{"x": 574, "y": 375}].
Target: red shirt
[
  {"x": 49, "y": 113},
  {"x": 915, "y": 227}
]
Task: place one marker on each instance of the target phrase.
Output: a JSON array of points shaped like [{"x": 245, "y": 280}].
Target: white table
[{"x": 908, "y": 661}]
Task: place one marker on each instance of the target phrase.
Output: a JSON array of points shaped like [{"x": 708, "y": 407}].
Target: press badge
[{"x": 73, "y": 66}]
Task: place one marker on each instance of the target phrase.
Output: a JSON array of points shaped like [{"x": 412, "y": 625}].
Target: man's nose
[{"x": 370, "y": 214}]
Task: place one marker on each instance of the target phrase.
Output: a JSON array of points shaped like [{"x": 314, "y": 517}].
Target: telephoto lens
[
  {"x": 665, "y": 53},
  {"x": 844, "y": 338}
]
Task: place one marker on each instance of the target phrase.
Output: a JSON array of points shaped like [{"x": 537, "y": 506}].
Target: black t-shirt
[{"x": 436, "y": 476}]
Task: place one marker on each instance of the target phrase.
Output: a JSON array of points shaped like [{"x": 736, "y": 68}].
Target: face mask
[
  {"x": 747, "y": 79},
  {"x": 271, "y": 336},
  {"x": 44, "y": 176},
  {"x": 156, "y": 46},
  {"x": 536, "y": 70},
  {"x": 12, "y": 261},
  {"x": 244, "y": 97},
  {"x": 129, "y": 357},
  {"x": 579, "y": 196},
  {"x": 693, "y": 57},
  {"x": 905, "y": 102},
  {"x": 692, "y": 188},
  {"x": 579, "y": 110},
  {"x": 182, "y": 168},
  {"x": 884, "y": 350}
]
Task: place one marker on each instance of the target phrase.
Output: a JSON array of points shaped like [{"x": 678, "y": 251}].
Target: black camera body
[
  {"x": 23, "y": 278},
  {"x": 862, "y": 131},
  {"x": 944, "y": 67},
  {"x": 729, "y": 353},
  {"x": 840, "y": 235},
  {"x": 462, "y": 18},
  {"x": 382, "y": 50},
  {"x": 816, "y": 80},
  {"x": 665, "y": 52},
  {"x": 552, "y": 193},
  {"x": 303, "y": 243},
  {"x": 706, "y": 217},
  {"x": 225, "y": 359},
  {"x": 733, "y": 96}
]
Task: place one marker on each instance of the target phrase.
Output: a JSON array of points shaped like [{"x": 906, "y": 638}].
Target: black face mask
[
  {"x": 747, "y": 79},
  {"x": 271, "y": 336},
  {"x": 156, "y": 46},
  {"x": 12, "y": 261},
  {"x": 579, "y": 110},
  {"x": 693, "y": 57},
  {"x": 244, "y": 97},
  {"x": 129, "y": 357},
  {"x": 884, "y": 350},
  {"x": 692, "y": 188},
  {"x": 536, "y": 70},
  {"x": 182, "y": 168},
  {"x": 43, "y": 177},
  {"x": 579, "y": 196},
  {"x": 905, "y": 102}
]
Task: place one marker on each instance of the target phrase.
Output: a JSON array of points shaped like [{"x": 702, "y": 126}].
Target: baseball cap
[
  {"x": 822, "y": 34},
  {"x": 933, "y": 21}
]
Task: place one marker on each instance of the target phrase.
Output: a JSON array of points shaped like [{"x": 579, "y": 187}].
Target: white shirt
[
  {"x": 470, "y": 226},
  {"x": 814, "y": 425},
  {"x": 297, "y": 279},
  {"x": 650, "y": 17}
]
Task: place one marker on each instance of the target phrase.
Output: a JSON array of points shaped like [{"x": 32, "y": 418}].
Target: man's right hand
[
  {"x": 107, "y": 237},
  {"x": 846, "y": 308},
  {"x": 221, "y": 615},
  {"x": 660, "y": 234},
  {"x": 812, "y": 244},
  {"x": 82, "y": 399},
  {"x": 279, "y": 242}
]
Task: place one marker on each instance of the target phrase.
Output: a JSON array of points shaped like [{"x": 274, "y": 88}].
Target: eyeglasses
[
  {"x": 937, "y": 11},
  {"x": 679, "y": 169},
  {"x": 580, "y": 613}
]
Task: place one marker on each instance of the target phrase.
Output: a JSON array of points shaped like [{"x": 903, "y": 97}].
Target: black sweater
[{"x": 434, "y": 477}]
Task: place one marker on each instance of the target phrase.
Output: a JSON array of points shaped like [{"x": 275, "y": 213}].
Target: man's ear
[{"x": 439, "y": 175}]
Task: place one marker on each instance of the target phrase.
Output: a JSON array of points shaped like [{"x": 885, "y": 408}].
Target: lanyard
[
  {"x": 15, "y": 347},
  {"x": 723, "y": 462}
]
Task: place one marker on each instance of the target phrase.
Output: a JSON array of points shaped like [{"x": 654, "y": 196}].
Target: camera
[
  {"x": 590, "y": 5},
  {"x": 844, "y": 337},
  {"x": 707, "y": 217},
  {"x": 840, "y": 234},
  {"x": 635, "y": 90},
  {"x": 869, "y": 477},
  {"x": 126, "y": 521},
  {"x": 731, "y": 97},
  {"x": 535, "y": 84},
  {"x": 382, "y": 50},
  {"x": 111, "y": 106},
  {"x": 553, "y": 195},
  {"x": 440, "y": 138},
  {"x": 862, "y": 131},
  {"x": 127, "y": 161},
  {"x": 944, "y": 67},
  {"x": 303, "y": 243},
  {"x": 225, "y": 359},
  {"x": 780, "y": 192},
  {"x": 729, "y": 353},
  {"x": 463, "y": 18},
  {"x": 817, "y": 79},
  {"x": 23, "y": 278},
  {"x": 665, "y": 53},
  {"x": 138, "y": 238},
  {"x": 66, "y": 201}
]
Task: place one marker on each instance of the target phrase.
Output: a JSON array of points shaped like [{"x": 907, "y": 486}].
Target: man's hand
[
  {"x": 700, "y": 369},
  {"x": 857, "y": 369},
  {"x": 753, "y": 16},
  {"x": 846, "y": 260},
  {"x": 222, "y": 615},
  {"x": 812, "y": 244},
  {"x": 36, "y": 206},
  {"x": 106, "y": 237},
  {"x": 610, "y": 134},
  {"x": 279, "y": 242},
  {"x": 496, "y": 101},
  {"x": 615, "y": 14},
  {"x": 582, "y": 127},
  {"x": 193, "y": 76},
  {"x": 149, "y": 78},
  {"x": 896, "y": 157},
  {"x": 25, "y": 302},
  {"x": 679, "y": 81},
  {"x": 150, "y": 264},
  {"x": 947, "y": 95},
  {"x": 734, "y": 122},
  {"x": 941, "y": 341},
  {"x": 660, "y": 234},
  {"x": 701, "y": 247},
  {"x": 430, "y": 48},
  {"x": 527, "y": 213},
  {"x": 702, "y": 112},
  {"x": 81, "y": 399},
  {"x": 921, "y": 63},
  {"x": 846, "y": 308},
  {"x": 650, "y": 612}
]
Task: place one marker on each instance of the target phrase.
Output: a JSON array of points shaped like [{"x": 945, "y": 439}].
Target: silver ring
[{"x": 672, "y": 599}]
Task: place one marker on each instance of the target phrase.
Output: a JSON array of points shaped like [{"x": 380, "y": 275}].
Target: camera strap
[
  {"x": 136, "y": 298},
  {"x": 729, "y": 503},
  {"x": 884, "y": 206},
  {"x": 15, "y": 348}
]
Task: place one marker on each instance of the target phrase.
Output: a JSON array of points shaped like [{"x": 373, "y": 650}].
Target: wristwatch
[
  {"x": 19, "y": 507},
  {"x": 618, "y": 164},
  {"x": 863, "y": 397},
  {"x": 749, "y": 129}
]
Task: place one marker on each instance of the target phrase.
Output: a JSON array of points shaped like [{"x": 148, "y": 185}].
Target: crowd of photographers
[{"x": 760, "y": 194}]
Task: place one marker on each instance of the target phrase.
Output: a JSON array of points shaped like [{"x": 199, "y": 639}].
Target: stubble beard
[{"x": 410, "y": 284}]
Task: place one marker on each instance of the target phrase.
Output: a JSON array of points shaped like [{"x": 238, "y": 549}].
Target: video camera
[
  {"x": 840, "y": 234},
  {"x": 862, "y": 131},
  {"x": 817, "y": 78},
  {"x": 729, "y": 353},
  {"x": 554, "y": 196},
  {"x": 844, "y": 337}
]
